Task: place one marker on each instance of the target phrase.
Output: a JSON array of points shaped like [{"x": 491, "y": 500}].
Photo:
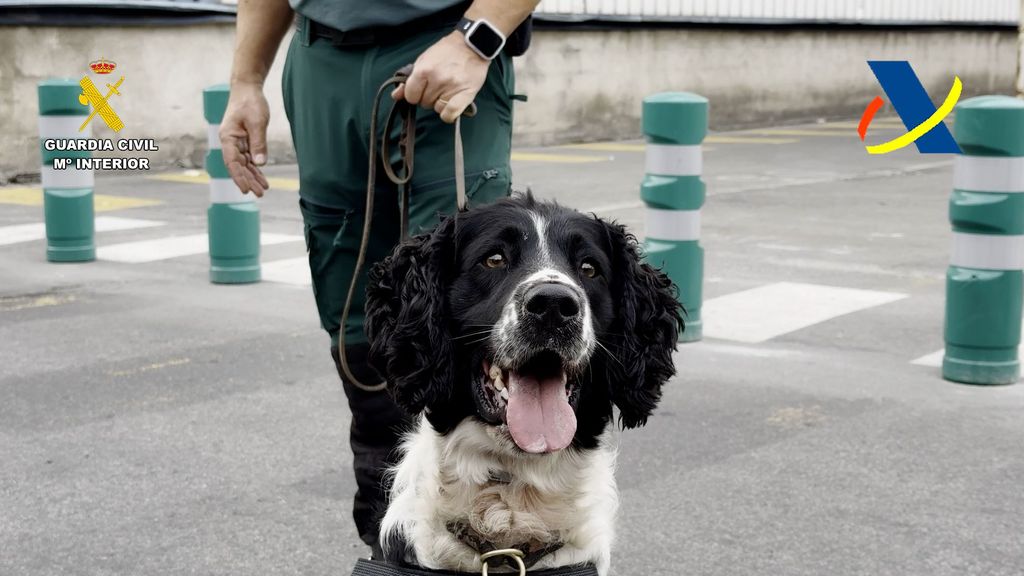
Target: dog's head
[{"x": 528, "y": 316}]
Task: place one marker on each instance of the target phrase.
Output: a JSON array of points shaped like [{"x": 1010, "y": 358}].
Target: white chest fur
[{"x": 568, "y": 496}]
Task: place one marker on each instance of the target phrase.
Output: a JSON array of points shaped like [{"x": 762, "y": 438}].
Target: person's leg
[
  {"x": 323, "y": 89},
  {"x": 486, "y": 140}
]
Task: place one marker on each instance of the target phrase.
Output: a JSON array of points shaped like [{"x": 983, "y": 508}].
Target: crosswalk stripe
[
  {"x": 294, "y": 271},
  {"x": 759, "y": 314},
  {"x": 37, "y": 230},
  {"x": 101, "y": 202},
  {"x": 933, "y": 359},
  {"x": 172, "y": 247}
]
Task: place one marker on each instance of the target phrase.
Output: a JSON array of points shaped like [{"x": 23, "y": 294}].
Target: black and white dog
[{"x": 514, "y": 329}]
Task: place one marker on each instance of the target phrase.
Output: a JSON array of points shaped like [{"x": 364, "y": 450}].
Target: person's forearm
[
  {"x": 260, "y": 27},
  {"x": 505, "y": 14}
]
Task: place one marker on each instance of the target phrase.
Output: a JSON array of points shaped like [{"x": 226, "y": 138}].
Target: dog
[{"x": 512, "y": 330}]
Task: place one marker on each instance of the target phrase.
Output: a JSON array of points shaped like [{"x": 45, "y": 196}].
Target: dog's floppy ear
[
  {"x": 648, "y": 323},
  {"x": 409, "y": 341}
]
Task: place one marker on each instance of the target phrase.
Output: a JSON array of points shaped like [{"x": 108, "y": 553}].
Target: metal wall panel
[
  {"x": 220, "y": 6},
  {"x": 810, "y": 11}
]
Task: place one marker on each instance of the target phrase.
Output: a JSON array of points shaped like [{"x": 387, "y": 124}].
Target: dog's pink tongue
[{"x": 538, "y": 413}]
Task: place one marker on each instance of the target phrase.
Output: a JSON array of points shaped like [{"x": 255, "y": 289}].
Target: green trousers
[{"x": 328, "y": 97}]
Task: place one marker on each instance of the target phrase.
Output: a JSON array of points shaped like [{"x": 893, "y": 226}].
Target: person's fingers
[
  {"x": 260, "y": 178},
  {"x": 241, "y": 176},
  {"x": 256, "y": 127},
  {"x": 257, "y": 175},
  {"x": 398, "y": 93},
  {"x": 233, "y": 160},
  {"x": 432, "y": 92},
  {"x": 439, "y": 105},
  {"x": 240, "y": 167},
  {"x": 457, "y": 104},
  {"x": 246, "y": 175},
  {"x": 250, "y": 181},
  {"x": 415, "y": 86}
]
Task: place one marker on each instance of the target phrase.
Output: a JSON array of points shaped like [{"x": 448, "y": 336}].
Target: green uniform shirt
[{"x": 353, "y": 14}]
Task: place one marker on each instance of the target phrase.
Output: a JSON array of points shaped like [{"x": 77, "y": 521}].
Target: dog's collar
[
  {"x": 533, "y": 550},
  {"x": 366, "y": 567}
]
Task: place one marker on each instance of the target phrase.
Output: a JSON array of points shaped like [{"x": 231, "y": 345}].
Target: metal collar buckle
[{"x": 516, "y": 555}]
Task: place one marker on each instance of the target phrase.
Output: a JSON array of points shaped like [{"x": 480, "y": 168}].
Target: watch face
[{"x": 486, "y": 39}]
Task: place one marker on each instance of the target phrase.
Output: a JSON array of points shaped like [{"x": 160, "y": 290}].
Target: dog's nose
[{"x": 551, "y": 303}]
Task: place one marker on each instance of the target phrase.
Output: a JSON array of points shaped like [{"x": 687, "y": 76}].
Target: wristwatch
[{"x": 482, "y": 37}]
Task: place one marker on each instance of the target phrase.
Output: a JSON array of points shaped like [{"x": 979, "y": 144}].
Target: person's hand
[
  {"x": 445, "y": 78},
  {"x": 243, "y": 137}
]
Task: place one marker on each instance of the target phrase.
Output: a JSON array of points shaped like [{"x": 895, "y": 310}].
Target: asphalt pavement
[{"x": 152, "y": 423}]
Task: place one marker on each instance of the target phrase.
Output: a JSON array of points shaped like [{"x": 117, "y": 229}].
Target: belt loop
[{"x": 302, "y": 29}]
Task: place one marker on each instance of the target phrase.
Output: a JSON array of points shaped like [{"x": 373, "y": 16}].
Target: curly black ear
[
  {"x": 648, "y": 324},
  {"x": 405, "y": 322}
]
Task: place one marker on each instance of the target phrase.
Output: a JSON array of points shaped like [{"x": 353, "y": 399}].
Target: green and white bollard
[
  {"x": 233, "y": 219},
  {"x": 67, "y": 192},
  {"x": 984, "y": 282},
  {"x": 674, "y": 124}
]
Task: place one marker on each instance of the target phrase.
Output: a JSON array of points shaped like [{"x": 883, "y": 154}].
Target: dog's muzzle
[
  {"x": 551, "y": 316},
  {"x": 552, "y": 305}
]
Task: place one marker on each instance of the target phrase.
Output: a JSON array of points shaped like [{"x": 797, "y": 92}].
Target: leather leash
[{"x": 406, "y": 146}]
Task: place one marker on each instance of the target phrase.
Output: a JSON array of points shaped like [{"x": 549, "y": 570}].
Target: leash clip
[{"x": 516, "y": 555}]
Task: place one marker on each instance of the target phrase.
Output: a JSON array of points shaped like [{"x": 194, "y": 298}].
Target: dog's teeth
[
  {"x": 504, "y": 394},
  {"x": 498, "y": 384},
  {"x": 495, "y": 373}
]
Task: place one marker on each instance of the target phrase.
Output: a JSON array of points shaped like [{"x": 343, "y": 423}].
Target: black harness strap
[{"x": 366, "y": 567}]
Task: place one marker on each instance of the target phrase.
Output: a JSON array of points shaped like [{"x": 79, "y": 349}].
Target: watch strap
[{"x": 464, "y": 25}]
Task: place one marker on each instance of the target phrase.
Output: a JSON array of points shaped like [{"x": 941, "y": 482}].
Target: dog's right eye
[{"x": 496, "y": 260}]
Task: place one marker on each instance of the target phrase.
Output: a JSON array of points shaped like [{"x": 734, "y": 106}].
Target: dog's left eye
[
  {"x": 496, "y": 260},
  {"x": 588, "y": 269}
]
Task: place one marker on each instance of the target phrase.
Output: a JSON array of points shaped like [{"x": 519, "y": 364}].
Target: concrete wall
[
  {"x": 582, "y": 85},
  {"x": 588, "y": 85},
  {"x": 165, "y": 69}
]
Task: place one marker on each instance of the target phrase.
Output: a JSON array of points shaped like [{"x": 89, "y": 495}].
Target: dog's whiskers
[
  {"x": 470, "y": 334},
  {"x": 608, "y": 352}
]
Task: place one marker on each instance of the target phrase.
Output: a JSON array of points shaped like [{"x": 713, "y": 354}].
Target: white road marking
[
  {"x": 37, "y": 230},
  {"x": 294, "y": 271},
  {"x": 762, "y": 313},
  {"x": 172, "y": 247},
  {"x": 933, "y": 359}
]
